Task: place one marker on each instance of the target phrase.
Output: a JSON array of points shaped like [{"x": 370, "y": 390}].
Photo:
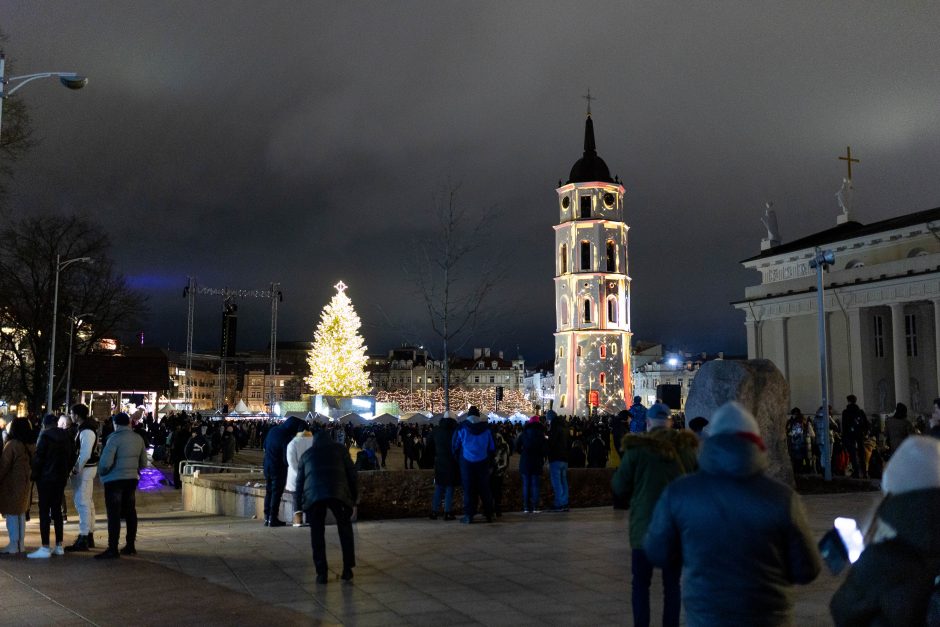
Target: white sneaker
[
  {"x": 41, "y": 553},
  {"x": 58, "y": 550}
]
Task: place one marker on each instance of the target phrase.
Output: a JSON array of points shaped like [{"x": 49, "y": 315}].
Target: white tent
[
  {"x": 385, "y": 419},
  {"x": 166, "y": 409},
  {"x": 518, "y": 417},
  {"x": 318, "y": 418},
  {"x": 415, "y": 417},
  {"x": 495, "y": 417},
  {"x": 435, "y": 418},
  {"x": 356, "y": 419},
  {"x": 241, "y": 408}
]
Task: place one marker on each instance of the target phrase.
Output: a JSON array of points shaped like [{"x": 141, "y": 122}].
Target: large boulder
[{"x": 761, "y": 388}]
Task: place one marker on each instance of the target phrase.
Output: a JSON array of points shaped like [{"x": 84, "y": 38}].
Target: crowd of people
[{"x": 686, "y": 489}]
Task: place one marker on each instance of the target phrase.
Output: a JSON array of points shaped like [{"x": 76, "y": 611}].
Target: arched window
[
  {"x": 612, "y": 309},
  {"x": 602, "y": 378},
  {"x": 917, "y": 252},
  {"x": 854, "y": 263},
  {"x": 563, "y": 398},
  {"x": 611, "y": 256},
  {"x": 603, "y": 350},
  {"x": 585, "y": 255},
  {"x": 579, "y": 351},
  {"x": 587, "y": 310},
  {"x": 564, "y": 311},
  {"x": 563, "y": 259}
]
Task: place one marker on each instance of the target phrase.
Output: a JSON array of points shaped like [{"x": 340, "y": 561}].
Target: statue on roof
[
  {"x": 770, "y": 223},
  {"x": 844, "y": 196}
]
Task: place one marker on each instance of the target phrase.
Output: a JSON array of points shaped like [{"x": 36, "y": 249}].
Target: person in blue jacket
[{"x": 473, "y": 446}]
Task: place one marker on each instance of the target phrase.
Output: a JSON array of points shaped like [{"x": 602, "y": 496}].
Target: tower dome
[{"x": 589, "y": 167}]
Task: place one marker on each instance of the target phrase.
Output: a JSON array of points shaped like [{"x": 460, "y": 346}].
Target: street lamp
[
  {"x": 59, "y": 266},
  {"x": 76, "y": 321},
  {"x": 69, "y": 79},
  {"x": 822, "y": 260}
]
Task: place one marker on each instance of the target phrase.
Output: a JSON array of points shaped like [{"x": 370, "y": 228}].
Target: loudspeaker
[{"x": 670, "y": 394}]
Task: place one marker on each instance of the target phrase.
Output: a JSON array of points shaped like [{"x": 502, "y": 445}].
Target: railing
[{"x": 190, "y": 468}]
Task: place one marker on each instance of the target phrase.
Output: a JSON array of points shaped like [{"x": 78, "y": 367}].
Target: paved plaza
[{"x": 570, "y": 568}]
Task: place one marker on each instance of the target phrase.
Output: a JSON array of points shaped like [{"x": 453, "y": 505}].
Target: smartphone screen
[{"x": 851, "y": 536}]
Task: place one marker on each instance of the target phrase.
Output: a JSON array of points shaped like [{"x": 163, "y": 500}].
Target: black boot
[
  {"x": 108, "y": 554},
  {"x": 276, "y": 522},
  {"x": 129, "y": 549},
  {"x": 433, "y": 516},
  {"x": 90, "y": 539},
  {"x": 81, "y": 544}
]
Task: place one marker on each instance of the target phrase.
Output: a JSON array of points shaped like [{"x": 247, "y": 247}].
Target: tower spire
[{"x": 589, "y": 147}]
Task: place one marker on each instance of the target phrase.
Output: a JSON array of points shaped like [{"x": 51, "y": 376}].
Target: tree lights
[{"x": 338, "y": 358}]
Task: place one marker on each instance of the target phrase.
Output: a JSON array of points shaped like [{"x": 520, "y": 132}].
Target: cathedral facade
[{"x": 592, "y": 290}]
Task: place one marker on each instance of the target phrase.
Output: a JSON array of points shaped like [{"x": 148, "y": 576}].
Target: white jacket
[{"x": 295, "y": 450}]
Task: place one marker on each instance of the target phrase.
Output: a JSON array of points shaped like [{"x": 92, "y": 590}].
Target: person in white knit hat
[
  {"x": 741, "y": 536},
  {"x": 893, "y": 579}
]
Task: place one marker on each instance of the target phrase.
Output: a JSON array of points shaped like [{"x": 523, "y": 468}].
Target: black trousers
[
  {"x": 275, "y": 482},
  {"x": 50, "y": 510},
  {"x": 316, "y": 516},
  {"x": 120, "y": 498}
]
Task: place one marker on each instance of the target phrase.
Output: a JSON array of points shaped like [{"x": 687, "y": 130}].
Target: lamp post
[
  {"x": 75, "y": 321},
  {"x": 69, "y": 79},
  {"x": 823, "y": 259},
  {"x": 59, "y": 266}
]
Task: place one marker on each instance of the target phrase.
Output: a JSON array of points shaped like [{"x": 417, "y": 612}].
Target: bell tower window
[
  {"x": 585, "y": 255},
  {"x": 612, "y": 309},
  {"x": 563, "y": 259},
  {"x": 611, "y": 256},
  {"x": 585, "y": 207},
  {"x": 587, "y": 310}
]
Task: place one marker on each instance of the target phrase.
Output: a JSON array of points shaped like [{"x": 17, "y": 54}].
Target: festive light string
[{"x": 460, "y": 399}]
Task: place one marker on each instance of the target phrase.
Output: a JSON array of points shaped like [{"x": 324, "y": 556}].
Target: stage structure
[{"x": 228, "y": 316}]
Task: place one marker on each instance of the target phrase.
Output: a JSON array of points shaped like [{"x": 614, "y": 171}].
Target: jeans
[
  {"x": 530, "y": 492},
  {"x": 447, "y": 493},
  {"x": 642, "y": 578},
  {"x": 558, "y": 472},
  {"x": 82, "y": 485},
  {"x": 120, "y": 498},
  {"x": 316, "y": 516},
  {"x": 476, "y": 484},
  {"x": 276, "y": 481},
  {"x": 50, "y": 510}
]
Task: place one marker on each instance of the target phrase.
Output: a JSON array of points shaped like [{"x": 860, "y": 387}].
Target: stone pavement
[{"x": 547, "y": 568}]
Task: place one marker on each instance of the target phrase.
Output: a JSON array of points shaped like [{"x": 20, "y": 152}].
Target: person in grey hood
[
  {"x": 741, "y": 537},
  {"x": 124, "y": 454}
]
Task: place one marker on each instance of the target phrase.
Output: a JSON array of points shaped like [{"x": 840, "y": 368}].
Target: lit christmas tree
[{"x": 338, "y": 358}]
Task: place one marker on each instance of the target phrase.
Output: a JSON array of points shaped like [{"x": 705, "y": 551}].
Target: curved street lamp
[
  {"x": 59, "y": 267},
  {"x": 70, "y": 79}
]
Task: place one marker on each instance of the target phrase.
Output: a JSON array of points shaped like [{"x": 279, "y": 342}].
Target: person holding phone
[{"x": 893, "y": 579}]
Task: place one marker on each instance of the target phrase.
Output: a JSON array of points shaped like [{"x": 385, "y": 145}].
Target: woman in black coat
[
  {"x": 532, "y": 448},
  {"x": 446, "y": 470},
  {"x": 51, "y": 466}
]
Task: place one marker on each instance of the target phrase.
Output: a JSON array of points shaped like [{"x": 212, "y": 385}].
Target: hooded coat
[
  {"x": 742, "y": 537},
  {"x": 52, "y": 462},
  {"x": 275, "y": 444},
  {"x": 532, "y": 448},
  {"x": 446, "y": 468},
  {"x": 651, "y": 461},
  {"x": 891, "y": 582},
  {"x": 327, "y": 472}
]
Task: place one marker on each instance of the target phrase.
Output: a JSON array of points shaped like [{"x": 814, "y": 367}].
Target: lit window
[
  {"x": 562, "y": 402},
  {"x": 561, "y": 351},
  {"x": 602, "y": 378},
  {"x": 603, "y": 351},
  {"x": 579, "y": 351}
]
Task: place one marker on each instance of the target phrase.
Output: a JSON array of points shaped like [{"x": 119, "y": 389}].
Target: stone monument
[{"x": 760, "y": 387}]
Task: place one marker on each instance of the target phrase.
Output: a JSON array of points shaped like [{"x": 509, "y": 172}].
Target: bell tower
[{"x": 592, "y": 289}]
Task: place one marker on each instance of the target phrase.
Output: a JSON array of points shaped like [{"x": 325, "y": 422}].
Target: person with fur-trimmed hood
[
  {"x": 650, "y": 462},
  {"x": 741, "y": 537},
  {"x": 893, "y": 579}
]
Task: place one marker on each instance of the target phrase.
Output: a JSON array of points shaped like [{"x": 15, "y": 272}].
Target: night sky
[{"x": 303, "y": 142}]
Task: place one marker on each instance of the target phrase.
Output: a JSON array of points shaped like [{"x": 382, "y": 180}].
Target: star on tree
[{"x": 338, "y": 358}]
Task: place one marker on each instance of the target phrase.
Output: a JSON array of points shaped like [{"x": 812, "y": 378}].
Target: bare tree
[
  {"x": 16, "y": 133},
  {"x": 454, "y": 272},
  {"x": 27, "y": 278}
]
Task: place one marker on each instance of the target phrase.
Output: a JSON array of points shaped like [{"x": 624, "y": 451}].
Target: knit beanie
[
  {"x": 658, "y": 413},
  {"x": 914, "y": 466},
  {"x": 732, "y": 417}
]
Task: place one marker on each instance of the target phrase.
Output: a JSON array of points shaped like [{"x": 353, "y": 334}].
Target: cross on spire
[
  {"x": 589, "y": 98},
  {"x": 340, "y": 287},
  {"x": 849, "y": 160}
]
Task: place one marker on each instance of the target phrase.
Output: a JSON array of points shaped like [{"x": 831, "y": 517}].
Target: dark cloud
[{"x": 303, "y": 143}]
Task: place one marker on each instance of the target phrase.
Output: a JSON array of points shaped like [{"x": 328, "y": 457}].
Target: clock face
[
  {"x": 565, "y": 202},
  {"x": 608, "y": 200}
]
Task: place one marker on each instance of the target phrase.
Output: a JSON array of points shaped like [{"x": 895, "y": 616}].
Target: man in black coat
[
  {"x": 327, "y": 479},
  {"x": 275, "y": 467},
  {"x": 446, "y": 470},
  {"x": 854, "y": 431}
]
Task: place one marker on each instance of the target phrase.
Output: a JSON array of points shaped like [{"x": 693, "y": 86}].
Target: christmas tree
[{"x": 338, "y": 358}]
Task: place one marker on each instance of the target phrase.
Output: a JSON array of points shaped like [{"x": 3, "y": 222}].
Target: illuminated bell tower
[{"x": 592, "y": 289}]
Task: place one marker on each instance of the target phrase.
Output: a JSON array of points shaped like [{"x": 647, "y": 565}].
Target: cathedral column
[
  {"x": 899, "y": 350},
  {"x": 857, "y": 380},
  {"x": 936, "y": 338},
  {"x": 751, "y": 339},
  {"x": 783, "y": 362}
]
